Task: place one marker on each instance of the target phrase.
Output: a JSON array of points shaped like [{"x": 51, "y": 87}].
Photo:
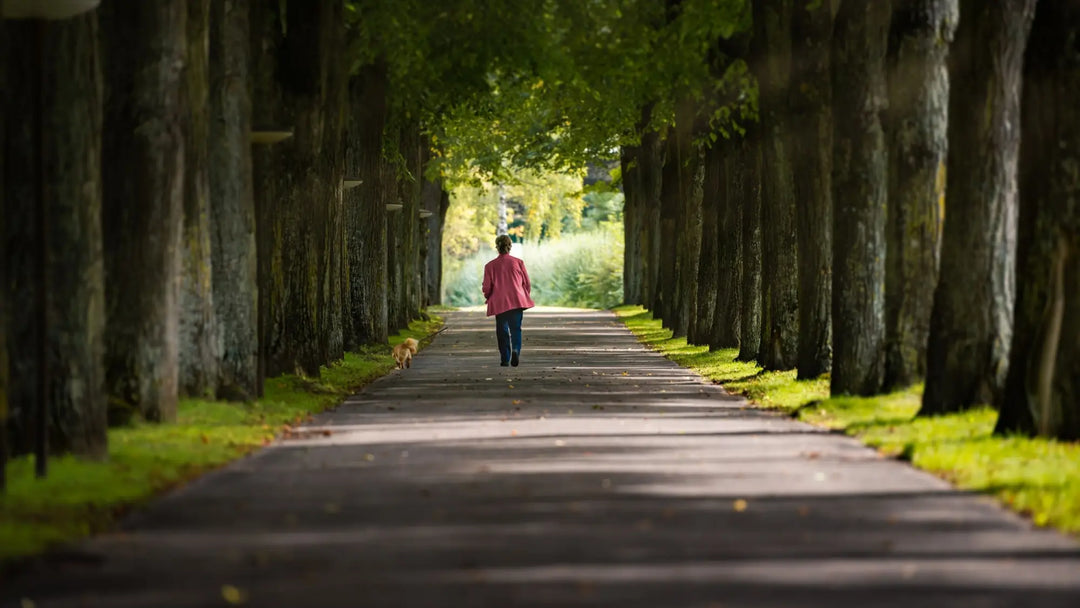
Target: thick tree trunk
[
  {"x": 709, "y": 268},
  {"x": 688, "y": 240},
  {"x": 397, "y": 307},
  {"x": 780, "y": 264},
  {"x": 1042, "y": 390},
  {"x": 860, "y": 188},
  {"x": 5, "y": 296},
  {"x": 917, "y": 122},
  {"x": 727, "y": 320},
  {"x": 811, "y": 105},
  {"x": 431, "y": 196},
  {"x": 632, "y": 224},
  {"x": 70, "y": 110},
  {"x": 198, "y": 326},
  {"x": 971, "y": 322},
  {"x": 232, "y": 203},
  {"x": 144, "y": 51},
  {"x": 748, "y": 167},
  {"x": 365, "y": 211},
  {"x": 413, "y": 146},
  {"x": 299, "y": 82},
  {"x": 664, "y": 305},
  {"x": 651, "y": 163}
]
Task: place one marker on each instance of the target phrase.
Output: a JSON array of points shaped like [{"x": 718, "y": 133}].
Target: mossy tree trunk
[
  {"x": 860, "y": 188},
  {"x": 144, "y": 51},
  {"x": 365, "y": 210},
  {"x": 917, "y": 132},
  {"x": 632, "y": 224},
  {"x": 971, "y": 321},
  {"x": 664, "y": 304},
  {"x": 651, "y": 165},
  {"x": 749, "y": 170},
  {"x": 780, "y": 263},
  {"x": 708, "y": 268},
  {"x": 70, "y": 113},
  {"x": 299, "y": 82},
  {"x": 199, "y": 338},
  {"x": 432, "y": 201},
  {"x": 232, "y": 203},
  {"x": 687, "y": 242},
  {"x": 727, "y": 319},
  {"x": 811, "y": 134},
  {"x": 1042, "y": 390}
]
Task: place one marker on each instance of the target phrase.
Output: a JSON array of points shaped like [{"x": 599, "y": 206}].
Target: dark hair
[{"x": 503, "y": 243}]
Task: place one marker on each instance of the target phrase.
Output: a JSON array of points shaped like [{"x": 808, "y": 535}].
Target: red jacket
[{"x": 506, "y": 285}]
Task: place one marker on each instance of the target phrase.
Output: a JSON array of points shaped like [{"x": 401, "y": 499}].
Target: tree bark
[
  {"x": 651, "y": 163},
  {"x": 860, "y": 188},
  {"x": 916, "y": 125},
  {"x": 1042, "y": 389},
  {"x": 431, "y": 195},
  {"x": 299, "y": 82},
  {"x": 811, "y": 108},
  {"x": 144, "y": 51},
  {"x": 748, "y": 167},
  {"x": 232, "y": 203},
  {"x": 968, "y": 344},
  {"x": 632, "y": 224},
  {"x": 664, "y": 305},
  {"x": 709, "y": 268},
  {"x": 198, "y": 325},
  {"x": 366, "y": 318},
  {"x": 70, "y": 80},
  {"x": 688, "y": 239},
  {"x": 727, "y": 319},
  {"x": 780, "y": 264}
]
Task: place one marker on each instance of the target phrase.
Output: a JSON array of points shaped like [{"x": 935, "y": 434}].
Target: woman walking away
[{"x": 506, "y": 291}]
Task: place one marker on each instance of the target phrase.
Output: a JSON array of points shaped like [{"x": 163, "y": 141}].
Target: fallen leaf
[
  {"x": 205, "y": 439},
  {"x": 369, "y": 457},
  {"x": 626, "y": 373},
  {"x": 327, "y": 433},
  {"x": 559, "y": 443},
  {"x": 516, "y": 402},
  {"x": 513, "y": 433},
  {"x": 739, "y": 505},
  {"x": 233, "y": 595},
  {"x": 511, "y": 386}
]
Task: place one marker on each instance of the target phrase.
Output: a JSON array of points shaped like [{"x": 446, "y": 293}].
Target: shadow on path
[{"x": 596, "y": 474}]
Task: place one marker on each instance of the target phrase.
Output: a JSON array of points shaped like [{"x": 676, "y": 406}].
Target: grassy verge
[
  {"x": 80, "y": 497},
  {"x": 1036, "y": 477}
]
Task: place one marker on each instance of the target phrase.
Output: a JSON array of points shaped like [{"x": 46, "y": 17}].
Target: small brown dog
[{"x": 403, "y": 352}]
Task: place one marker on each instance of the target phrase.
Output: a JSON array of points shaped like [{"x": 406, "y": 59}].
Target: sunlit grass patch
[
  {"x": 80, "y": 497},
  {"x": 1037, "y": 477}
]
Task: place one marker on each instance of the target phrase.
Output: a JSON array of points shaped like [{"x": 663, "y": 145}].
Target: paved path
[{"x": 596, "y": 474}]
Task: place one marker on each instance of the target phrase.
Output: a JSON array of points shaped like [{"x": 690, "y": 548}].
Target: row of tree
[
  {"x": 904, "y": 205},
  {"x": 159, "y": 244}
]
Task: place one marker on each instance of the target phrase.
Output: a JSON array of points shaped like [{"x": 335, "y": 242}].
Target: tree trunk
[
  {"x": 780, "y": 263},
  {"x": 232, "y": 203},
  {"x": 366, "y": 320},
  {"x": 431, "y": 197},
  {"x": 5, "y": 296},
  {"x": 70, "y": 109},
  {"x": 749, "y": 171},
  {"x": 1042, "y": 389},
  {"x": 198, "y": 326},
  {"x": 916, "y": 125},
  {"x": 971, "y": 322},
  {"x": 688, "y": 240},
  {"x": 144, "y": 51},
  {"x": 709, "y": 268},
  {"x": 860, "y": 187},
  {"x": 414, "y": 148},
  {"x": 632, "y": 224},
  {"x": 727, "y": 319},
  {"x": 298, "y": 81},
  {"x": 664, "y": 306},
  {"x": 397, "y": 307},
  {"x": 811, "y": 106},
  {"x": 651, "y": 163}
]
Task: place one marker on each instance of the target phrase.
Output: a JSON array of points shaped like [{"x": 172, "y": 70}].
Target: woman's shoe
[
  {"x": 504, "y": 364},
  {"x": 514, "y": 359}
]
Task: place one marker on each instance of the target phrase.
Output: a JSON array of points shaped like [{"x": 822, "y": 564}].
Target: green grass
[
  {"x": 1037, "y": 477},
  {"x": 81, "y": 497}
]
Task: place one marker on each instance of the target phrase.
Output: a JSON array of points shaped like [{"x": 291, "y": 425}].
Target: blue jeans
[{"x": 508, "y": 331}]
